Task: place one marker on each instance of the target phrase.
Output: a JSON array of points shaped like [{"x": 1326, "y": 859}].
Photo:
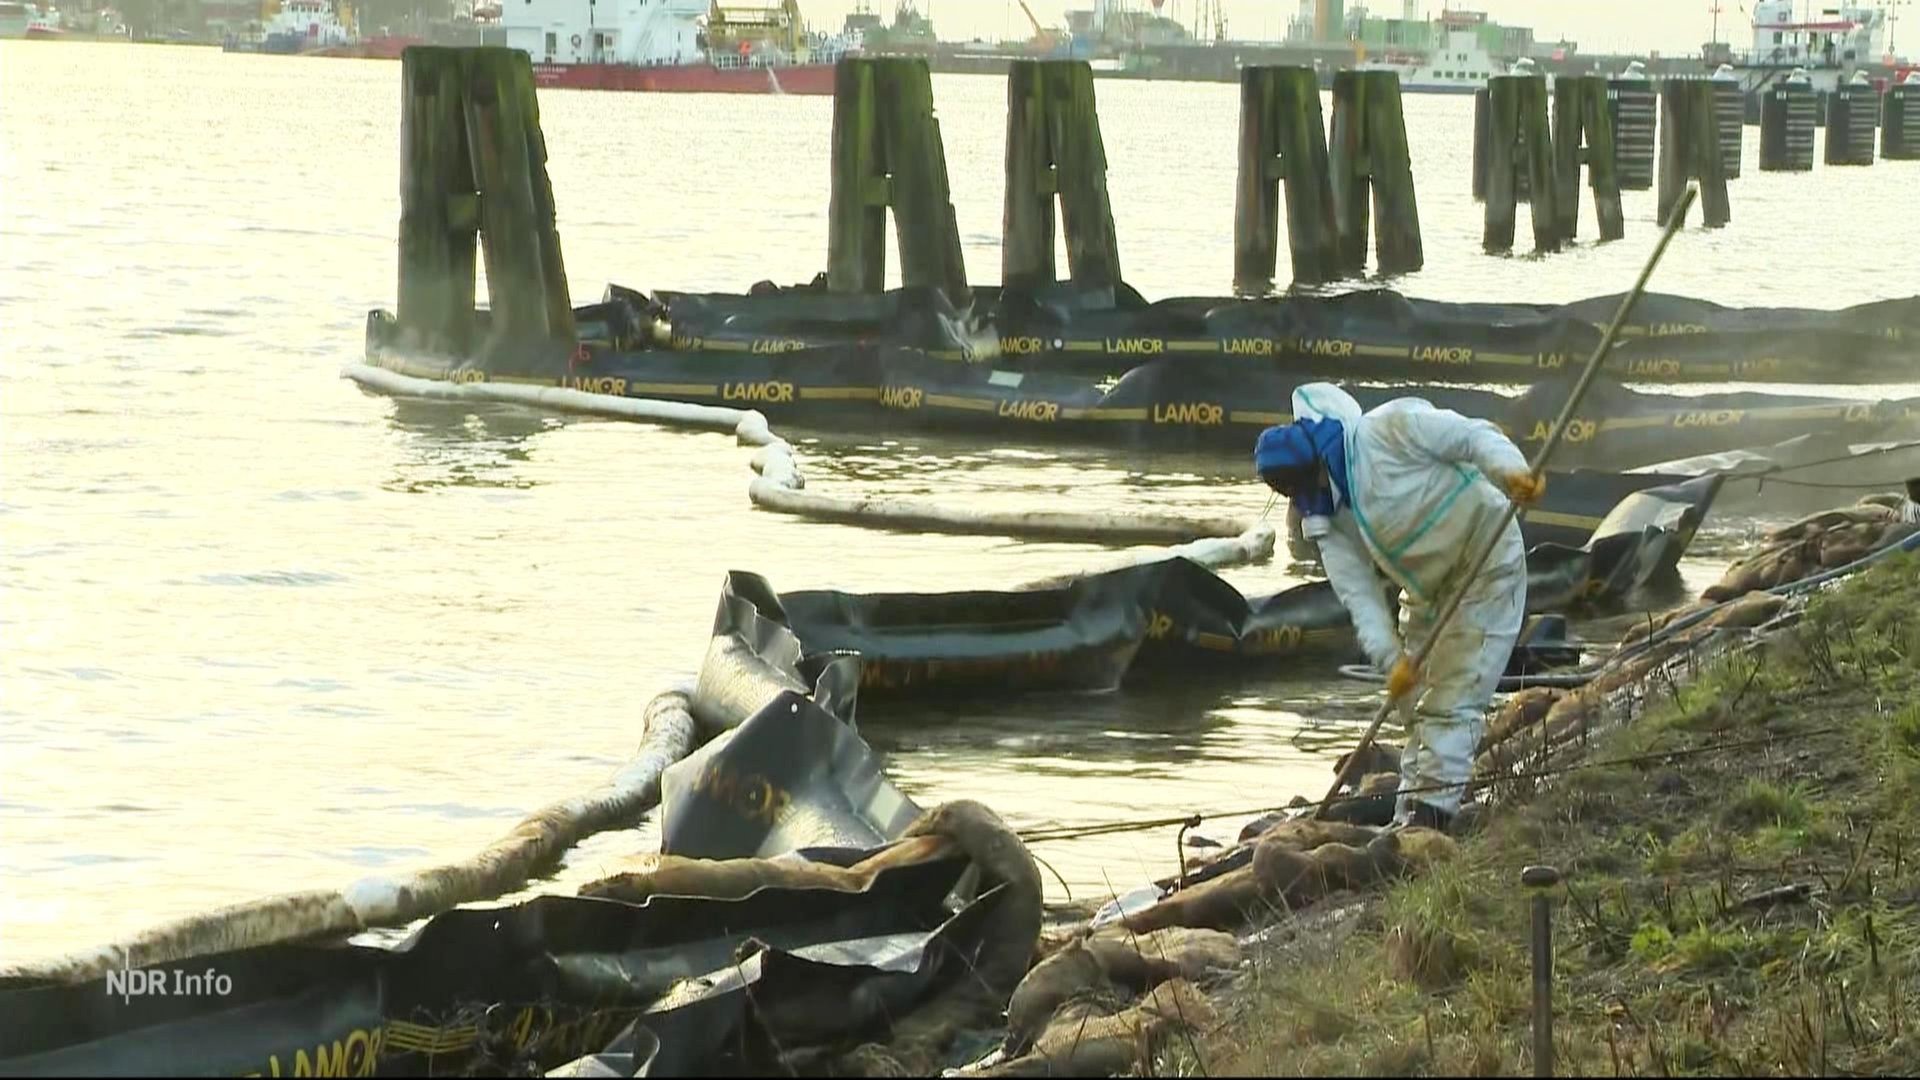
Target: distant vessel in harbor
[
  {"x": 18, "y": 20},
  {"x": 1460, "y": 65},
  {"x": 687, "y": 46},
  {"x": 299, "y": 26}
]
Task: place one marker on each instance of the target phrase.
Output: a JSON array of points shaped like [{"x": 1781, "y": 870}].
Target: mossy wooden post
[
  {"x": 1632, "y": 105},
  {"x": 1786, "y": 127},
  {"x": 1370, "y": 169},
  {"x": 1851, "y": 112},
  {"x": 1690, "y": 150},
  {"x": 439, "y": 214},
  {"x": 1518, "y": 138},
  {"x": 887, "y": 151},
  {"x": 526, "y": 285},
  {"x": 1480, "y": 145},
  {"x": 1583, "y": 134},
  {"x": 1054, "y": 148},
  {"x": 1900, "y": 122},
  {"x": 1282, "y": 142}
]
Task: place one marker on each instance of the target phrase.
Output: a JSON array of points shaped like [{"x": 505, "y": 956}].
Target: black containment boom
[
  {"x": 1851, "y": 112},
  {"x": 887, "y": 153},
  {"x": 1690, "y": 149},
  {"x": 1054, "y": 149},
  {"x": 1632, "y": 104},
  {"x": 1583, "y": 135},
  {"x": 1900, "y": 122},
  {"x": 1788, "y": 114},
  {"x": 1283, "y": 142},
  {"x": 1518, "y": 138},
  {"x": 1370, "y": 168},
  {"x": 474, "y": 163}
]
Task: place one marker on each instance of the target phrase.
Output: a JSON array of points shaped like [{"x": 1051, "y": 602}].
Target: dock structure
[
  {"x": 1371, "y": 170},
  {"x": 1054, "y": 150},
  {"x": 1519, "y": 139},
  {"x": 1283, "y": 145},
  {"x": 887, "y": 154},
  {"x": 1690, "y": 150},
  {"x": 1632, "y": 104},
  {"x": 1788, "y": 115},
  {"x": 1852, "y": 111},
  {"x": 1900, "y": 122},
  {"x": 1583, "y": 135},
  {"x": 474, "y": 164}
]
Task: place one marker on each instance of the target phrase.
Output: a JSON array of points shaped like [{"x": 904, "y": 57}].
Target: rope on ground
[{"x": 1078, "y": 832}]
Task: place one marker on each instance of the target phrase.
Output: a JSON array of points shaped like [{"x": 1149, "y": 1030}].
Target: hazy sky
[{"x": 1669, "y": 26}]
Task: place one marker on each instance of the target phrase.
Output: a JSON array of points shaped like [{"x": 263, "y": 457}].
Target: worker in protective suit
[{"x": 1407, "y": 494}]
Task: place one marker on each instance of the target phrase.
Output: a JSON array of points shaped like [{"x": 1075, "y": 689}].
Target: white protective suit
[{"x": 1421, "y": 506}]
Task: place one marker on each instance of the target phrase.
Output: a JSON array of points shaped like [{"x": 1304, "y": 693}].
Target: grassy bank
[{"x": 1680, "y": 943}]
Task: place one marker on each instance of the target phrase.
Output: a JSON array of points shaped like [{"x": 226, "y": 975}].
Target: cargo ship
[{"x": 684, "y": 46}]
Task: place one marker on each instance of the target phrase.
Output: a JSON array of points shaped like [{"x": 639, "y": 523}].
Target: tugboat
[{"x": 684, "y": 46}]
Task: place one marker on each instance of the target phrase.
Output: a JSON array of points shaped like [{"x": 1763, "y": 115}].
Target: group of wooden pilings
[
  {"x": 474, "y": 166},
  {"x": 1339, "y": 187},
  {"x": 1520, "y": 155}
]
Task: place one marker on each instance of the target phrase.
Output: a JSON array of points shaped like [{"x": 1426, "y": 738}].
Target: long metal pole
[{"x": 1538, "y": 464}]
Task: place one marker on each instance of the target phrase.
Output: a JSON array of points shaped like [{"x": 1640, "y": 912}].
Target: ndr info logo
[{"x": 130, "y": 983}]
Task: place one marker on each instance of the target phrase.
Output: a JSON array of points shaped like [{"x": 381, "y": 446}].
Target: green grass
[{"x": 1661, "y": 969}]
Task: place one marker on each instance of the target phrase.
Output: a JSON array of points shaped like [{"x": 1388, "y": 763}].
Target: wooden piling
[
  {"x": 1054, "y": 149},
  {"x": 1690, "y": 150},
  {"x": 1283, "y": 143},
  {"x": 1787, "y": 112},
  {"x": 1583, "y": 135},
  {"x": 1480, "y": 145},
  {"x": 526, "y": 281},
  {"x": 1631, "y": 104},
  {"x": 1900, "y": 123},
  {"x": 1371, "y": 169},
  {"x": 887, "y": 152},
  {"x": 439, "y": 212},
  {"x": 1851, "y": 112},
  {"x": 1730, "y": 117},
  {"x": 1519, "y": 138}
]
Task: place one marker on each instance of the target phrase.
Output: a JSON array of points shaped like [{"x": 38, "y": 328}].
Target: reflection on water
[{"x": 264, "y": 632}]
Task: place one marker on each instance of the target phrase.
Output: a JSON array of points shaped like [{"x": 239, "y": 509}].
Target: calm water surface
[{"x": 265, "y": 632}]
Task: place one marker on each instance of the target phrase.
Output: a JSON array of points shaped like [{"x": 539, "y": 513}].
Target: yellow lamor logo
[
  {"x": 1657, "y": 368},
  {"x": 778, "y": 345},
  {"x": 760, "y": 391},
  {"x": 1199, "y": 412},
  {"x": 1136, "y": 346},
  {"x": 1577, "y": 430},
  {"x": 1437, "y": 354},
  {"x": 752, "y": 796},
  {"x": 1326, "y": 347},
  {"x": 687, "y": 341},
  {"x": 1022, "y": 346},
  {"x": 1040, "y": 411},
  {"x": 1250, "y": 346},
  {"x": 468, "y": 375},
  {"x": 603, "y": 385},
  {"x": 1552, "y": 360},
  {"x": 902, "y": 397},
  {"x": 1279, "y": 638},
  {"x": 1159, "y": 625},
  {"x": 1671, "y": 329}
]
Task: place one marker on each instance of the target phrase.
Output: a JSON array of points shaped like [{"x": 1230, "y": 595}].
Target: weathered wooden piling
[
  {"x": 1518, "y": 138},
  {"x": 1690, "y": 150},
  {"x": 1631, "y": 104},
  {"x": 887, "y": 152},
  {"x": 1480, "y": 145},
  {"x": 1730, "y": 115},
  {"x": 1900, "y": 122},
  {"x": 526, "y": 277},
  {"x": 1054, "y": 149},
  {"x": 439, "y": 212},
  {"x": 1852, "y": 110},
  {"x": 1371, "y": 170},
  {"x": 1787, "y": 113},
  {"x": 1283, "y": 142},
  {"x": 1583, "y": 135}
]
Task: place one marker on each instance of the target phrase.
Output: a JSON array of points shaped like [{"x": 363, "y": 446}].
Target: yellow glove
[
  {"x": 1402, "y": 679},
  {"x": 1524, "y": 489}
]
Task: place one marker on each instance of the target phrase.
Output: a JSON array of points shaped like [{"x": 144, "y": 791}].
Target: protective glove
[
  {"x": 1524, "y": 489},
  {"x": 1402, "y": 678}
]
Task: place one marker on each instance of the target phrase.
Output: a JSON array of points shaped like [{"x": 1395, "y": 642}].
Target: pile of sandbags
[{"x": 1824, "y": 541}]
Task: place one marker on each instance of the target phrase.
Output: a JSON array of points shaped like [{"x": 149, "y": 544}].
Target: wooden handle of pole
[{"x": 1538, "y": 465}]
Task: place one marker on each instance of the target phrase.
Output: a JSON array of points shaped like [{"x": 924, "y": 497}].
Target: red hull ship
[{"x": 814, "y": 79}]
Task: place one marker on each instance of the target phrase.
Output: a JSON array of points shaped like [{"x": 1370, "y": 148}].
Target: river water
[{"x": 264, "y": 632}]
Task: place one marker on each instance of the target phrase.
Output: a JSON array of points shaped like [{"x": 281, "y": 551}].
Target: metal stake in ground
[
  {"x": 1539, "y": 881},
  {"x": 1538, "y": 466}
]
